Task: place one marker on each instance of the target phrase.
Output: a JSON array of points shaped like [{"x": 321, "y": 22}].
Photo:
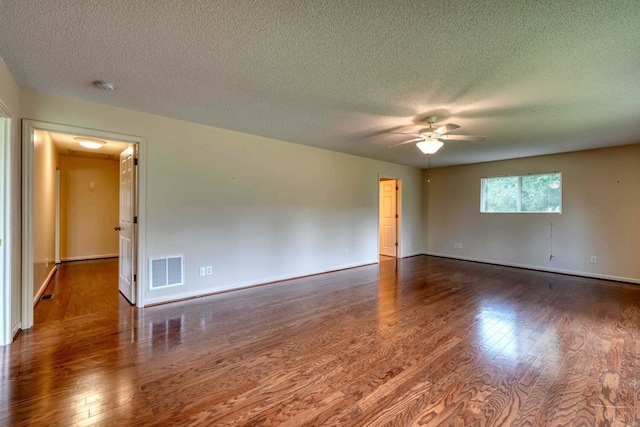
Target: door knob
[{"x": 117, "y": 228}]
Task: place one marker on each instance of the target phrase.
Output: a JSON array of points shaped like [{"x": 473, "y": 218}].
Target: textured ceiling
[{"x": 535, "y": 77}]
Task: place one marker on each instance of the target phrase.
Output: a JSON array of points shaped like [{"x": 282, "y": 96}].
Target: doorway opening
[
  {"x": 389, "y": 218},
  {"x": 79, "y": 206}
]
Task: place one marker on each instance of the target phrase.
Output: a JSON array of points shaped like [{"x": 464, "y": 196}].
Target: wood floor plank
[
  {"x": 637, "y": 372},
  {"x": 597, "y": 353},
  {"x": 564, "y": 396},
  {"x": 515, "y": 393},
  {"x": 417, "y": 341},
  {"x": 625, "y": 412}
]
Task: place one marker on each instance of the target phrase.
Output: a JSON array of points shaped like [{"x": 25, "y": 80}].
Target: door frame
[
  {"x": 398, "y": 212},
  {"x": 6, "y": 229},
  {"x": 58, "y": 219},
  {"x": 28, "y": 129}
]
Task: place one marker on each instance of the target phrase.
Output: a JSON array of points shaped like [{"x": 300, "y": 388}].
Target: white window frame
[{"x": 519, "y": 200}]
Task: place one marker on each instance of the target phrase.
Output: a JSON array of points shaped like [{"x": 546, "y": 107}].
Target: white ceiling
[{"x": 535, "y": 77}]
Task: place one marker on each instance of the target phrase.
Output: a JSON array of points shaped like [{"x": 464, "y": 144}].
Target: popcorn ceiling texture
[{"x": 535, "y": 77}]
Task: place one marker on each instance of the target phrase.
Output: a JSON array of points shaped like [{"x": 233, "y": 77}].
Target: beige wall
[
  {"x": 88, "y": 213},
  {"x": 9, "y": 90},
  {"x": 254, "y": 208},
  {"x": 600, "y": 215},
  {"x": 259, "y": 209},
  {"x": 44, "y": 192},
  {"x": 10, "y": 196}
]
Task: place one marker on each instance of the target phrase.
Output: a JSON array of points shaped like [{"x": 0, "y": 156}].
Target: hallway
[{"x": 81, "y": 288}]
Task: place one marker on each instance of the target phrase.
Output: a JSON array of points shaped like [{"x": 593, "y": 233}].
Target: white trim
[
  {"x": 5, "y": 296},
  {"x": 28, "y": 128},
  {"x": 141, "y": 206},
  {"x": 38, "y": 295},
  {"x": 16, "y": 328},
  {"x": 89, "y": 257},
  {"x": 158, "y": 300},
  {"x": 410, "y": 254},
  {"x": 518, "y": 210},
  {"x": 6, "y": 259},
  {"x": 58, "y": 219},
  {"x": 538, "y": 268},
  {"x": 27, "y": 223}
]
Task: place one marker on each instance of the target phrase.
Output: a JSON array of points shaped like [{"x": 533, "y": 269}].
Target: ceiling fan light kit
[
  {"x": 429, "y": 146},
  {"x": 430, "y": 140}
]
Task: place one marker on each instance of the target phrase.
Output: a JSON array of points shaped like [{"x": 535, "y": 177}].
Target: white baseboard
[
  {"x": 89, "y": 257},
  {"x": 38, "y": 295},
  {"x": 538, "y": 268},
  {"x": 16, "y": 328},
  {"x": 412, "y": 254},
  {"x": 150, "y": 300},
  {"x": 12, "y": 336}
]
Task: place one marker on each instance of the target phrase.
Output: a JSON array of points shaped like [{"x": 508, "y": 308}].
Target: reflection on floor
[
  {"x": 386, "y": 258},
  {"x": 80, "y": 288},
  {"x": 420, "y": 341}
]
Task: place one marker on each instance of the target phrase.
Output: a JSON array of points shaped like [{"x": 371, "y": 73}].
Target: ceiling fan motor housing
[{"x": 429, "y": 132}]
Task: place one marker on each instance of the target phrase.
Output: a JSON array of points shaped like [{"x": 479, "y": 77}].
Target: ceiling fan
[{"x": 430, "y": 140}]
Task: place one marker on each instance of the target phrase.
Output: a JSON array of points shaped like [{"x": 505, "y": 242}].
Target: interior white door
[
  {"x": 388, "y": 217},
  {"x": 126, "y": 227}
]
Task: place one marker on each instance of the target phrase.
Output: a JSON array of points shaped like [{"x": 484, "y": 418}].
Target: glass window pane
[
  {"x": 534, "y": 193},
  {"x": 540, "y": 193},
  {"x": 555, "y": 196},
  {"x": 501, "y": 194}
]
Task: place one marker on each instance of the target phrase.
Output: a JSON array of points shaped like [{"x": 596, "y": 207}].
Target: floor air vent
[{"x": 167, "y": 271}]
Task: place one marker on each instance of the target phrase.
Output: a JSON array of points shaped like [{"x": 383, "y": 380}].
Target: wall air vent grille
[{"x": 166, "y": 271}]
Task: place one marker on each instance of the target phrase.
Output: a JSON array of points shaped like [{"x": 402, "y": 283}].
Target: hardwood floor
[
  {"x": 80, "y": 288},
  {"x": 421, "y": 341}
]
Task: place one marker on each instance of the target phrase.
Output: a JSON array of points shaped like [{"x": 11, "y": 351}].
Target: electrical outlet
[
  {"x": 457, "y": 245},
  {"x": 202, "y": 272},
  {"x": 209, "y": 270},
  {"x": 594, "y": 259},
  {"x": 346, "y": 251}
]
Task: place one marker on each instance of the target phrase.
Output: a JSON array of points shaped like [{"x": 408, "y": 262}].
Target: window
[{"x": 524, "y": 193}]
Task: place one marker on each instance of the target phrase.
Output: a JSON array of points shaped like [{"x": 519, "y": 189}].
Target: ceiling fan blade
[
  {"x": 404, "y": 133},
  {"x": 466, "y": 138},
  {"x": 446, "y": 128},
  {"x": 406, "y": 142}
]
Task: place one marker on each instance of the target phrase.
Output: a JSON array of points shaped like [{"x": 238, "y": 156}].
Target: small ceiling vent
[
  {"x": 104, "y": 85},
  {"x": 166, "y": 271}
]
